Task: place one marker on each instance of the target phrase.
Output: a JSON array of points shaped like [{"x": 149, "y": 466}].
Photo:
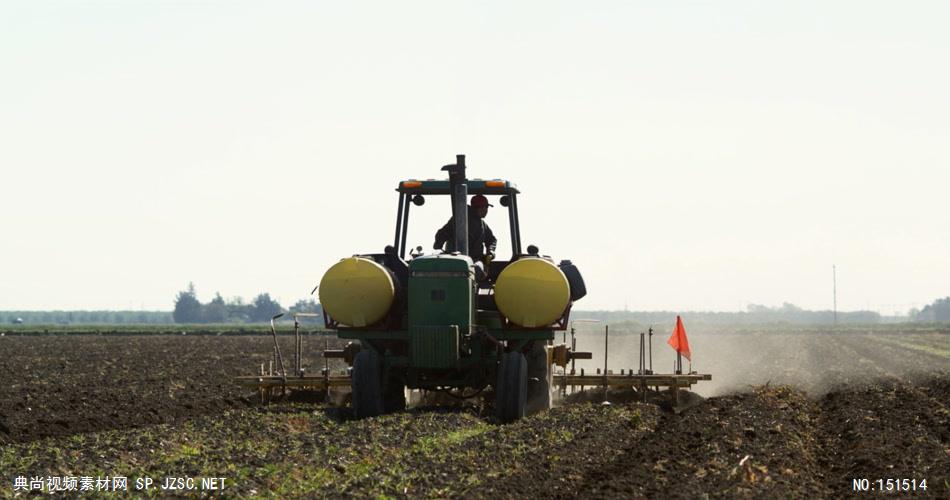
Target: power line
[{"x": 834, "y": 292}]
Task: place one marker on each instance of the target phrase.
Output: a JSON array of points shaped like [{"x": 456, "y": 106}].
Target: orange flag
[{"x": 678, "y": 339}]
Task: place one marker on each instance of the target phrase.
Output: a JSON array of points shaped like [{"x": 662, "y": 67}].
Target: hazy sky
[{"x": 686, "y": 155}]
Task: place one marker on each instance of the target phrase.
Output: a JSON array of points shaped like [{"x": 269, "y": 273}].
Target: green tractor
[{"x": 443, "y": 322}]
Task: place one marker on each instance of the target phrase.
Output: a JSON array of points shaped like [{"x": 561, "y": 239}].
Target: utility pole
[{"x": 834, "y": 288}]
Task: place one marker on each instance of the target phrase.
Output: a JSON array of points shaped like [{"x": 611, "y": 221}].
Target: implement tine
[{"x": 280, "y": 357}]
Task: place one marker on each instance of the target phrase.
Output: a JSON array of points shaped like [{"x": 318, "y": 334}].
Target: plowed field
[{"x": 787, "y": 415}]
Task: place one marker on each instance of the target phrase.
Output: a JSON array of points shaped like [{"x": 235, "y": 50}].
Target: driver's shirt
[{"x": 479, "y": 236}]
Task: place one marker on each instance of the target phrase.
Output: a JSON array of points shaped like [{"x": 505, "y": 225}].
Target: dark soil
[
  {"x": 167, "y": 405},
  {"x": 788, "y": 445},
  {"x": 61, "y": 385}
]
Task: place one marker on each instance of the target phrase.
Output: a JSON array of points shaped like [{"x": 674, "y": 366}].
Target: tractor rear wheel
[
  {"x": 511, "y": 389},
  {"x": 539, "y": 386},
  {"x": 367, "y": 384}
]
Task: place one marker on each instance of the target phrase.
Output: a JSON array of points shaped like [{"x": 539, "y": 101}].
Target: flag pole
[
  {"x": 650, "y": 340},
  {"x": 606, "y": 338}
]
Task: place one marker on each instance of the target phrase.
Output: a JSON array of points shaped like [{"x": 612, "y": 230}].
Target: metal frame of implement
[
  {"x": 641, "y": 381},
  {"x": 274, "y": 380}
]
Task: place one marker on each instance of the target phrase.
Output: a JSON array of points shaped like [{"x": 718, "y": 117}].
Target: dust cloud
[{"x": 814, "y": 359}]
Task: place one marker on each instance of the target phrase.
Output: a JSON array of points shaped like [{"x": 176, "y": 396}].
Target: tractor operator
[{"x": 481, "y": 241}]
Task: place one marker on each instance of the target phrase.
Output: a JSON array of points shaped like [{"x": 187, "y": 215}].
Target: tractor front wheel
[
  {"x": 367, "y": 384},
  {"x": 511, "y": 388}
]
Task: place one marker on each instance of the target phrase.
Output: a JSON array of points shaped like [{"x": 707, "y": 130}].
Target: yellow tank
[
  {"x": 357, "y": 291},
  {"x": 532, "y": 292}
]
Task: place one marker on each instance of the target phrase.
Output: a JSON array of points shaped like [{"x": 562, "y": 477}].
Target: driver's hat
[{"x": 479, "y": 201}]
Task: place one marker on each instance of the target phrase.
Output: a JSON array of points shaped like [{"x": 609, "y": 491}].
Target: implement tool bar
[
  {"x": 312, "y": 381},
  {"x": 633, "y": 380}
]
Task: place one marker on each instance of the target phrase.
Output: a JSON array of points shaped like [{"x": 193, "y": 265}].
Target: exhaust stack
[{"x": 458, "y": 187}]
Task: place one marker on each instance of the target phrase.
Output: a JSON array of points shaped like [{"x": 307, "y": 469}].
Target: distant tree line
[
  {"x": 85, "y": 317},
  {"x": 188, "y": 309},
  {"x": 939, "y": 311},
  {"x": 754, "y": 314}
]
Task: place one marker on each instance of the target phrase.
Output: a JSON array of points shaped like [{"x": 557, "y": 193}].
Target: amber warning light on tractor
[
  {"x": 411, "y": 184},
  {"x": 494, "y": 184}
]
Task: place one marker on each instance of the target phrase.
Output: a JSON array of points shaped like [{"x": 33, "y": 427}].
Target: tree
[
  {"x": 187, "y": 307},
  {"x": 216, "y": 311},
  {"x": 306, "y": 306},
  {"x": 264, "y": 308},
  {"x": 238, "y": 311},
  {"x": 942, "y": 309},
  {"x": 939, "y": 311}
]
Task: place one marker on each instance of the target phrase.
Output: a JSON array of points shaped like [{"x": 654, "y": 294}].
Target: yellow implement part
[
  {"x": 356, "y": 291},
  {"x": 532, "y": 292}
]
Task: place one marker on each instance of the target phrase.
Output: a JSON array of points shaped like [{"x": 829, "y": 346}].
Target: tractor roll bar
[
  {"x": 458, "y": 187},
  {"x": 402, "y": 199},
  {"x": 405, "y": 228},
  {"x": 515, "y": 225}
]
